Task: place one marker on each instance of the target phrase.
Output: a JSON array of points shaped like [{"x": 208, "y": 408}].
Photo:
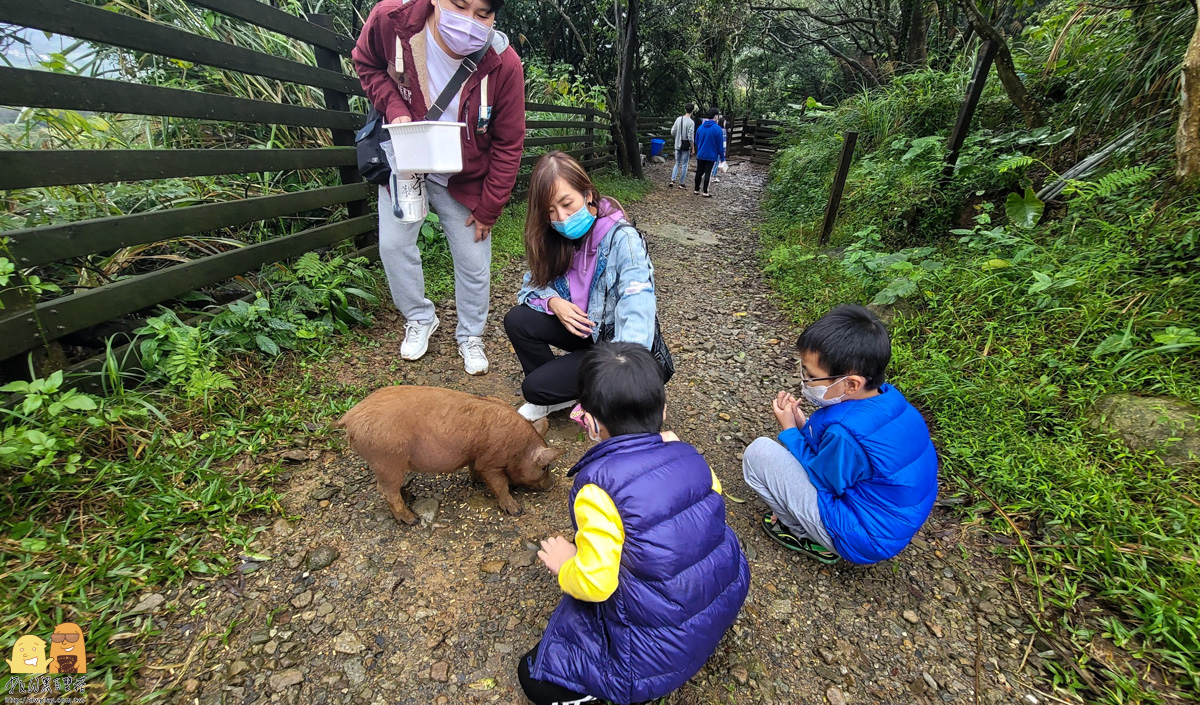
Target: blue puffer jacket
[
  {"x": 682, "y": 581},
  {"x": 622, "y": 296},
  {"x": 710, "y": 141},
  {"x": 876, "y": 517}
]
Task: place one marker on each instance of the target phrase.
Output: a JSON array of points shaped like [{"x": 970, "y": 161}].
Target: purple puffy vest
[{"x": 683, "y": 577}]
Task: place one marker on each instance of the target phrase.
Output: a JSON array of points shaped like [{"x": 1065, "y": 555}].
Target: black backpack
[{"x": 372, "y": 162}]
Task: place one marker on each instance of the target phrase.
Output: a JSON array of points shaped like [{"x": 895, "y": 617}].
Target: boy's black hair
[
  {"x": 713, "y": 113},
  {"x": 689, "y": 108},
  {"x": 621, "y": 385},
  {"x": 850, "y": 340}
]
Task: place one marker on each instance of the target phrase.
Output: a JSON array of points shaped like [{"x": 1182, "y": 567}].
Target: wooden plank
[
  {"x": 962, "y": 124},
  {"x": 565, "y": 139},
  {"x": 29, "y": 168},
  {"x": 533, "y": 158},
  {"x": 565, "y": 109},
  {"x": 43, "y": 89},
  {"x": 849, "y": 139},
  {"x": 32, "y": 247},
  {"x": 19, "y": 332},
  {"x": 289, "y": 25},
  {"x": 337, "y": 100},
  {"x": 96, "y": 24},
  {"x": 551, "y": 124}
]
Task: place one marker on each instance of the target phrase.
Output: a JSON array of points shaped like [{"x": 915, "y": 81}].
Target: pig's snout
[{"x": 546, "y": 482}]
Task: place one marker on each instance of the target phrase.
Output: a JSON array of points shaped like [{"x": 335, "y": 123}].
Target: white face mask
[{"x": 816, "y": 394}]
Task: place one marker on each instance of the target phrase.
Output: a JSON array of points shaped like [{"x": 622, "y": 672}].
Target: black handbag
[
  {"x": 368, "y": 141},
  {"x": 685, "y": 145},
  {"x": 658, "y": 348}
]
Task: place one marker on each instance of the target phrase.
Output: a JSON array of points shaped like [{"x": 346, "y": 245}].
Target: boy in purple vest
[
  {"x": 655, "y": 576},
  {"x": 858, "y": 478}
]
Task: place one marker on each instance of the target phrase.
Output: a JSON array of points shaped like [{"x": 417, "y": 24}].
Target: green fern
[
  {"x": 1014, "y": 163},
  {"x": 1111, "y": 184}
]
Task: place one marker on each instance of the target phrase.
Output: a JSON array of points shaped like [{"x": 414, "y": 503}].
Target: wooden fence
[
  {"x": 752, "y": 138},
  {"x": 27, "y": 325}
]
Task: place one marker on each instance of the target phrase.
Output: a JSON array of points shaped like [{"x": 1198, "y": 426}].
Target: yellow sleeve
[
  {"x": 716, "y": 482},
  {"x": 592, "y": 574}
]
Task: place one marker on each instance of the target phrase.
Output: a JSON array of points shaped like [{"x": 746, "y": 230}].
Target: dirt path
[{"x": 439, "y": 613}]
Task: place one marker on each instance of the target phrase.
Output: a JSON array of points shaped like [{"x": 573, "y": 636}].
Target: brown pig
[{"x": 428, "y": 429}]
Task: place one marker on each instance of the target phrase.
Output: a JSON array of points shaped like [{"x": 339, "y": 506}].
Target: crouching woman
[{"x": 590, "y": 280}]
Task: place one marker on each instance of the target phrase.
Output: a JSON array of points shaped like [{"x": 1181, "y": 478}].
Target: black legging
[
  {"x": 548, "y": 379},
  {"x": 545, "y": 692},
  {"x": 704, "y": 170}
]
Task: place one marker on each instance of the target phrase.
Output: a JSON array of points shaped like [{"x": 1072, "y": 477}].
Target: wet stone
[{"x": 322, "y": 557}]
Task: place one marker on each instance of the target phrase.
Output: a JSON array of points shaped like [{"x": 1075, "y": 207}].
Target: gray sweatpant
[
  {"x": 774, "y": 473},
  {"x": 402, "y": 261}
]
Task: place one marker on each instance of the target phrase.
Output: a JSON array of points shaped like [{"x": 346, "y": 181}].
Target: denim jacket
[{"x": 622, "y": 296}]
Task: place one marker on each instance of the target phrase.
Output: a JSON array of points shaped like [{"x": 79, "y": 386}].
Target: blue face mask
[{"x": 576, "y": 225}]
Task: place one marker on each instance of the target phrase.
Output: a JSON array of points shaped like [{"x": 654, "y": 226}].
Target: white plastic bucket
[
  {"x": 427, "y": 147},
  {"x": 410, "y": 202}
]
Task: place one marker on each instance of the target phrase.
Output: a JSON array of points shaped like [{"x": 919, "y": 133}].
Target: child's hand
[
  {"x": 801, "y": 417},
  {"x": 787, "y": 410},
  {"x": 555, "y": 552}
]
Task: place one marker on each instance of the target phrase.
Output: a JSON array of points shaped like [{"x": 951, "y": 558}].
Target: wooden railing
[
  {"x": 27, "y": 325},
  {"x": 753, "y": 138}
]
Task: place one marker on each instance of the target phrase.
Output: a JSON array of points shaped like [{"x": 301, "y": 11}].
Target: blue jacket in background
[
  {"x": 875, "y": 470},
  {"x": 682, "y": 581},
  {"x": 710, "y": 141}
]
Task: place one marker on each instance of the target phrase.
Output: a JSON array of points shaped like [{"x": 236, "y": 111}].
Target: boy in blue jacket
[{"x": 858, "y": 478}]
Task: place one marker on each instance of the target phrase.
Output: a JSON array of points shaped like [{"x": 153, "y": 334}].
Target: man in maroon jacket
[{"x": 405, "y": 56}]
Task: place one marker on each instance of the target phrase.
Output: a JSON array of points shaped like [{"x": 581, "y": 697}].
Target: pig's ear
[
  {"x": 544, "y": 456},
  {"x": 541, "y": 426}
]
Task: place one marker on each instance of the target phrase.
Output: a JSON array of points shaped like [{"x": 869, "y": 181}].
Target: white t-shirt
[{"x": 441, "y": 69}]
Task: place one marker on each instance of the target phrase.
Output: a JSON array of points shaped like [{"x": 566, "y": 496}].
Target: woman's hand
[
  {"x": 555, "y": 552},
  {"x": 571, "y": 316},
  {"x": 787, "y": 411}
]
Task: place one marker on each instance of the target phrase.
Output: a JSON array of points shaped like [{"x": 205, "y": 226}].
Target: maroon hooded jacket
[{"x": 491, "y": 157}]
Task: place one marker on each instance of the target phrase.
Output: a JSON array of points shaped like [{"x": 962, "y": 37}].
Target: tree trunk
[
  {"x": 1020, "y": 97},
  {"x": 627, "y": 109},
  {"x": 918, "y": 35},
  {"x": 1187, "y": 136}
]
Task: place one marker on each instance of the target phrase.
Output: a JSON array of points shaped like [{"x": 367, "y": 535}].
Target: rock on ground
[{"x": 1164, "y": 425}]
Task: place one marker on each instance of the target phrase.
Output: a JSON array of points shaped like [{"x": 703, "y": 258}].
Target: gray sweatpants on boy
[
  {"x": 402, "y": 261},
  {"x": 774, "y": 473}
]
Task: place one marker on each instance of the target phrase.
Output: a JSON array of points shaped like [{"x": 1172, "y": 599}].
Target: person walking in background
[
  {"x": 710, "y": 149},
  {"x": 684, "y": 132},
  {"x": 405, "y": 57}
]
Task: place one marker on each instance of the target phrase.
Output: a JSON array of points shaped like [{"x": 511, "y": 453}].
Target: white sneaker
[
  {"x": 533, "y": 412},
  {"x": 473, "y": 358},
  {"x": 416, "y": 339}
]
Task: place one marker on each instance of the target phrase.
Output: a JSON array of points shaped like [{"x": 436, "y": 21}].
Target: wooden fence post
[
  {"x": 849, "y": 139},
  {"x": 590, "y": 131},
  {"x": 337, "y": 100},
  {"x": 983, "y": 64}
]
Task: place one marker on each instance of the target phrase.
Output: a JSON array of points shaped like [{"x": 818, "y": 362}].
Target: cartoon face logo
[
  {"x": 28, "y": 655},
  {"x": 67, "y": 654}
]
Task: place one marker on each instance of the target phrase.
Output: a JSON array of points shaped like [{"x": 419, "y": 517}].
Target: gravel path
[{"x": 356, "y": 609}]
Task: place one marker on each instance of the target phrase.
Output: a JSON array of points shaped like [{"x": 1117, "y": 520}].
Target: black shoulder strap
[{"x": 468, "y": 66}]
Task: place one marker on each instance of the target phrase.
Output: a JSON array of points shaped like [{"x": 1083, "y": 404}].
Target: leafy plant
[{"x": 892, "y": 275}]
